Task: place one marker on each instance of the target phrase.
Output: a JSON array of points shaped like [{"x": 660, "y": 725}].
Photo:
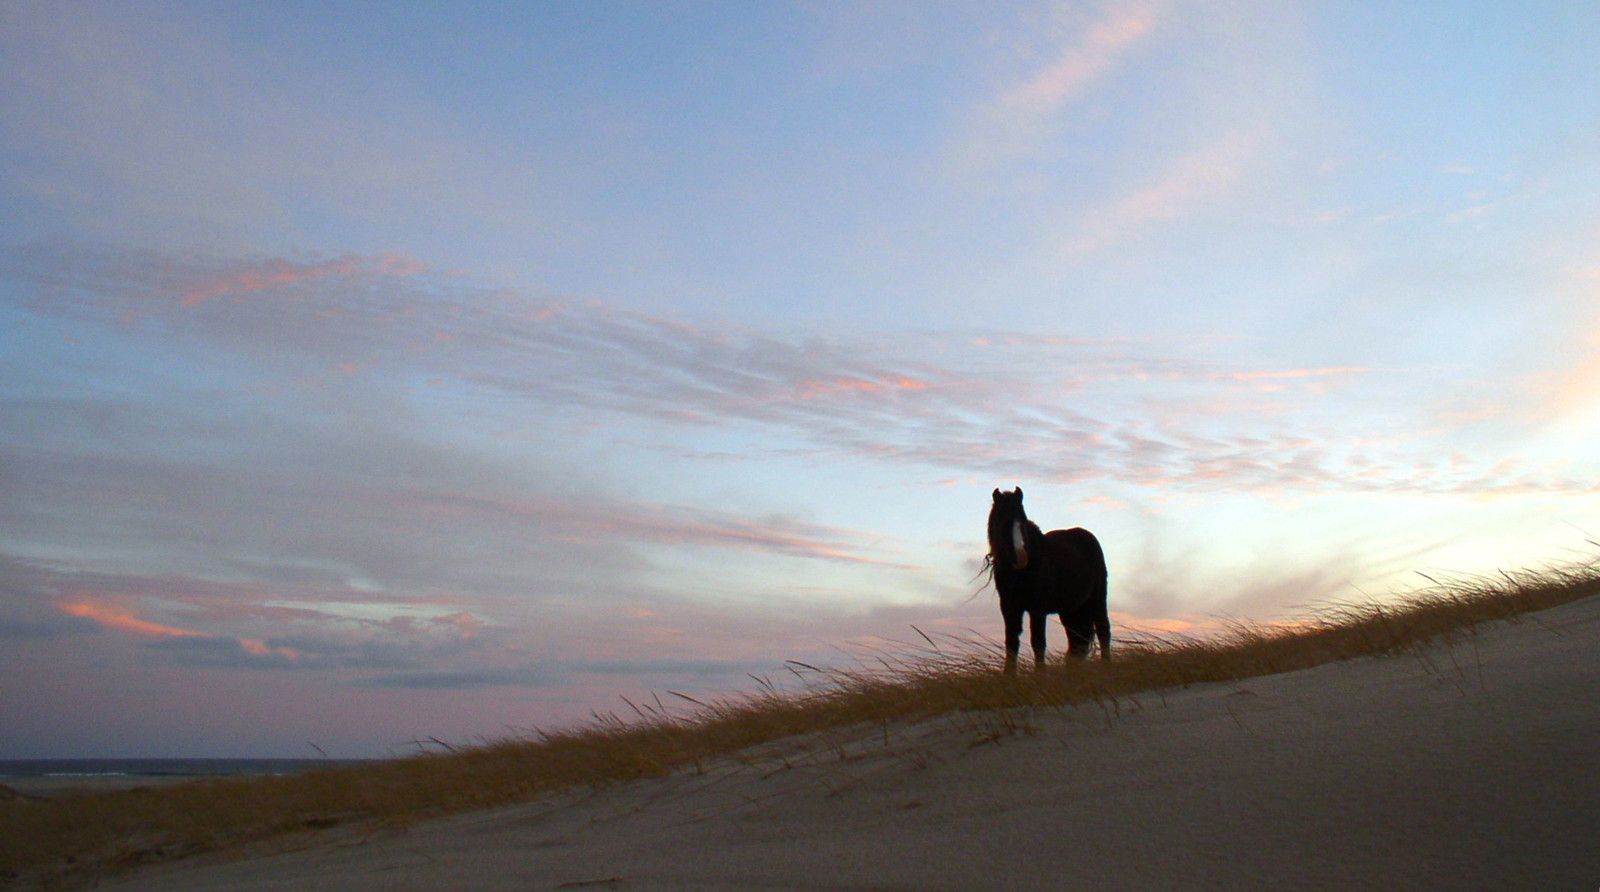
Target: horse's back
[{"x": 1081, "y": 548}]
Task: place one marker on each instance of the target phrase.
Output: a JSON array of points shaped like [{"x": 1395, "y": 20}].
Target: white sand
[{"x": 1475, "y": 765}]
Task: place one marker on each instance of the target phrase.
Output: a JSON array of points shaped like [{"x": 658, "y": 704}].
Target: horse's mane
[
  {"x": 999, "y": 527},
  {"x": 986, "y": 570}
]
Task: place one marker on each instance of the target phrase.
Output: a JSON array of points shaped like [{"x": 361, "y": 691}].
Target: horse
[{"x": 1061, "y": 572}]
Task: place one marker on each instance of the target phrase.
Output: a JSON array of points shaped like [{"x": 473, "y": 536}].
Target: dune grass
[{"x": 82, "y": 837}]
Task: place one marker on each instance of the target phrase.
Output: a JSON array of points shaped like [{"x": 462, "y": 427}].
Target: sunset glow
[{"x": 374, "y": 375}]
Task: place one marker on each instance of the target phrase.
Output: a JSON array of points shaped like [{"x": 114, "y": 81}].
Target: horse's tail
[
  {"x": 1102, "y": 619},
  {"x": 1101, "y": 596},
  {"x": 1099, "y": 581},
  {"x": 986, "y": 571}
]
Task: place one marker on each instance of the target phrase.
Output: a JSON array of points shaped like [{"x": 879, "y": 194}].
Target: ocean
[{"x": 163, "y": 768}]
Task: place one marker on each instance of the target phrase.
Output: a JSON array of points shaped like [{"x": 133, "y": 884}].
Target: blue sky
[{"x": 375, "y": 373}]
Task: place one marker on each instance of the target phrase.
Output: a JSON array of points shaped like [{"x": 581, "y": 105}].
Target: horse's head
[{"x": 1007, "y": 521}]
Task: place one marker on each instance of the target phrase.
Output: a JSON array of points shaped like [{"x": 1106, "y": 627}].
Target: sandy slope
[{"x": 1470, "y": 766}]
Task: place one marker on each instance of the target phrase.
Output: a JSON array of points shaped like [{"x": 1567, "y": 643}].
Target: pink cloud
[
  {"x": 111, "y": 617},
  {"x": 991, "y": 406},
  {"x": 812, "y": 389},
  {"x": 277, "y": 273},
  {"x": 258, "y": 648},
  {"x": 660, "y": 524},
  {"x": 1294, "y": 374},
  {"x": 464, "y": 623},
  {"x": 1185, "y": 187},
  {"x": 1126, "y": 623},
  {"x": 1013, "y": 123},
  {"x": 1079, "y": 65}
]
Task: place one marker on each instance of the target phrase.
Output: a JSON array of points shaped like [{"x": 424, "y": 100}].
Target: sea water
[{"x": 136, "y": 768}]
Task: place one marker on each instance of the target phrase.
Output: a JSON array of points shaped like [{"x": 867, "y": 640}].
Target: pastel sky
[{"x": 380, "y": 372}]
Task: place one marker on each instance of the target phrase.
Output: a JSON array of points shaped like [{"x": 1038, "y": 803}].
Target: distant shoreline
[
  {"x": 58, "y": 787},
  {"x": 55, "y": 778}
]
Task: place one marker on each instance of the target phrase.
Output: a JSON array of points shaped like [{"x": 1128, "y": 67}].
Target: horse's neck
[
  {"x": 1038, "y": 552},
  {"x": 1032, "y": 537}
]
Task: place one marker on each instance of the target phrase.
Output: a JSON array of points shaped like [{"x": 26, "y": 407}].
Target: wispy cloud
[
  {"x": 196, "y": 621},
  {"x": 596, "y": 521},
  {"x": 122, "y": 620},
  {"x": 182, "y": 640},
  {"x": 221, "y": 652},
  {"x": 1012, "y": 124},
  {"x": 277, "y": 274},
  {"x": 1013, "y": 404},
  {"x": 335, "y": 634},
  {"x": 1080, "y": 63},
  {"x": 1187, "y": 185},
  {"x": 1296, "y": 374}
]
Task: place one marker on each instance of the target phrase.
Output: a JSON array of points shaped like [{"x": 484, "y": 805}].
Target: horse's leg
[
  {"x": 1037, "y": 622},
  {"x": 1080, "y": 636},
  {"x": 1013, "y": 620},
  {"x": 1102, "y": 625}
]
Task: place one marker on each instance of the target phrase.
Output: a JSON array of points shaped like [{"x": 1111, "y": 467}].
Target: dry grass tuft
[{"x": 79, "y": 838}]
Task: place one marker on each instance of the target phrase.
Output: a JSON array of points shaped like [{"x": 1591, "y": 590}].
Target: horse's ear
[
  {"x": 1019, "y": 493},
  {"x": 997, "y": 494}
]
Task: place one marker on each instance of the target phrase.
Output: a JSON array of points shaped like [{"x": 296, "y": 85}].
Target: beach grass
[{"x": 79, "y": 838}]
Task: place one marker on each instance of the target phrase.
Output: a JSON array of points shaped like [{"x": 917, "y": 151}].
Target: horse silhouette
[{"x": 1061, "y": 572}]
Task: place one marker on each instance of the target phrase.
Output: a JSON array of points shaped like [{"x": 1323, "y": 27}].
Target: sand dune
[{"x": 1469, "y": 765}]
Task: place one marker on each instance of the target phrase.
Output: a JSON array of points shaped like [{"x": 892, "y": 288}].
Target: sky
[{"x": 374, "y": 373}]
